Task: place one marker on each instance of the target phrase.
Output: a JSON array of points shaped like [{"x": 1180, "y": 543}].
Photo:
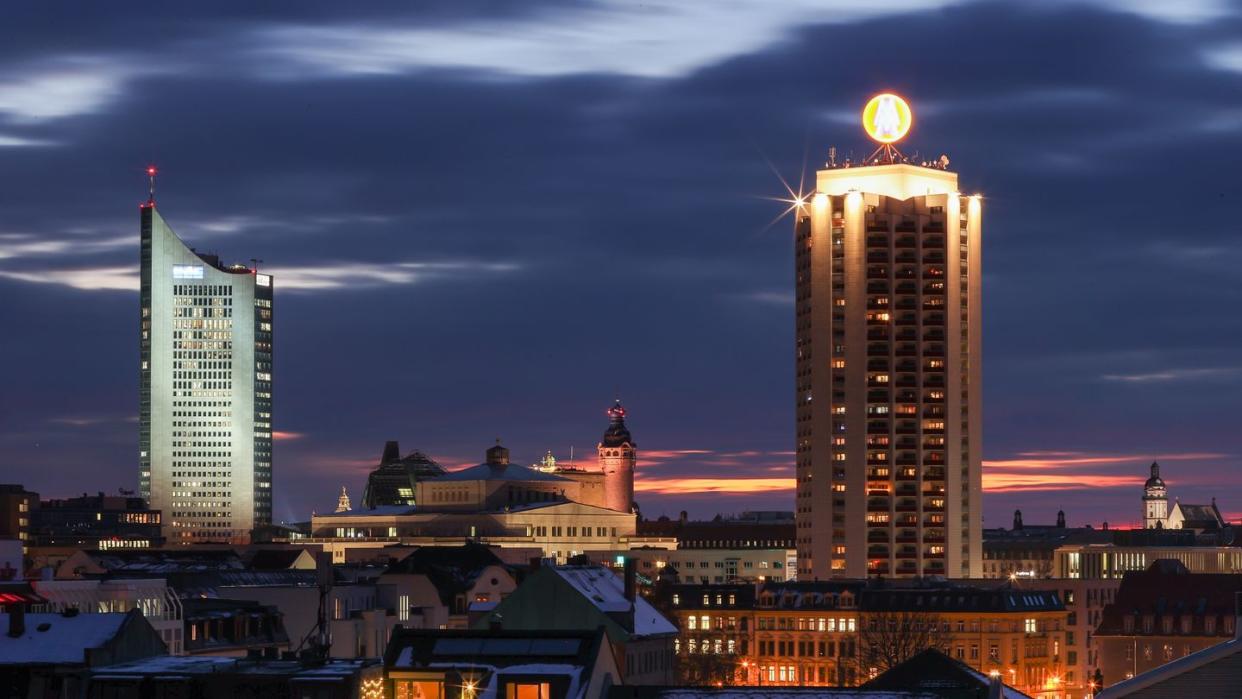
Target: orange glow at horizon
[
  {"x": 1030, "y": 472},
  {"x": 712, "y": 485}
]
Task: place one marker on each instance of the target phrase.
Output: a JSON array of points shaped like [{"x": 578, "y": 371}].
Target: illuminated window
[
  {"x": 411, "y": 689},
  {"x": 528, "y": 690}
]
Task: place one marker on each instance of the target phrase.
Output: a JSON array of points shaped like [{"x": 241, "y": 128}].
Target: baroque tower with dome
[{"x": 1155, "y": 500}]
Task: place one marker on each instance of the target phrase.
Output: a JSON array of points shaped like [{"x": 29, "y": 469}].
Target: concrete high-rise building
[
  {"x": 205, "y": 407},
  {"x": 618, "y": 454},
  {"x": 888, "y": 366}
]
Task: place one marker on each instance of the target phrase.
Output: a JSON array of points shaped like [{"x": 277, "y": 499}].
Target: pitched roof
[
  {"x": 960, "y": 598},
  {"x": 491, "y": 654},
  {"x": 606, "y": 591},
  {"x": 1182, "y": 666},
  {"x": 56, "y": 639},
  {"x": 275, "y": 559},
  {"x": 1205, "y": 516},
  {"x": 937, "y": 673},
  {"x": 451, "y": 569}
]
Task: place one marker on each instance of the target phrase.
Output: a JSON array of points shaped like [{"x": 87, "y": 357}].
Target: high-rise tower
[
  {"x": 205, "y": 406},
  {"x": 888, "y": 366},
  {"x": 617, "y": 456}
]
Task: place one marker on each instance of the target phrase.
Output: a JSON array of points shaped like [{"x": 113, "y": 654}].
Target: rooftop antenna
[
  {"x": 832, "y": 156},
  {"x": 151, "y": 172},
  {"x": 254, "y": 263}
]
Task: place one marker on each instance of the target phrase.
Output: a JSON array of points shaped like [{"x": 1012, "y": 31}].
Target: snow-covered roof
[
  {"x": 206, "y": 665},
  {"x": 606, "y": 590},
  {"x": 788, "y": 693},
  {"x": 57, "y": 639}
]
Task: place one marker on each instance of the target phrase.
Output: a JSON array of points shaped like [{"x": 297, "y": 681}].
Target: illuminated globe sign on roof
[{"x": 887, "y": 118}]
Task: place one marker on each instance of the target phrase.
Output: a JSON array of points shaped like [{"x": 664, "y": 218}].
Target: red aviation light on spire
[{"x": 151, "y": 172}]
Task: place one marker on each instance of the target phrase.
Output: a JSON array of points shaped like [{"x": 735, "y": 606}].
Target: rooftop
[
  {"x": 56, "y": 638},
  {"x": 606, "y": 590},
  {"x": 494, "y": 471}
]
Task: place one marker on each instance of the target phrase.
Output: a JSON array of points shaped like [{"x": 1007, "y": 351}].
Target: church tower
[
  {"x": 617, "y": 457},
  {"x": 1155, "y": 500}
]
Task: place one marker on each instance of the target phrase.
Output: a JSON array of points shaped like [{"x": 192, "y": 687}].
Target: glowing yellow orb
[{"x": 887, "y": 118}]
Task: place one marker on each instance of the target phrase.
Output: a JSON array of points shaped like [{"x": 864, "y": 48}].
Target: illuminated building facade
[
  {"x": 205, "y": 411},
  {"x": 829, "y": 633},
  {"x": 888, "y": 366}
]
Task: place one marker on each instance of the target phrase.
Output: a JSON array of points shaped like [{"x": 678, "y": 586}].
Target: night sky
[{"x": 490, "y": 219}]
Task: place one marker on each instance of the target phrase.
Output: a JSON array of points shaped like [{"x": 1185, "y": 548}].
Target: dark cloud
[{"x": 596, "y": 232}]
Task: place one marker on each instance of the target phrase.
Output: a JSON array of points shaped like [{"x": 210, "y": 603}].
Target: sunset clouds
[{"x": 490, "y": 220}]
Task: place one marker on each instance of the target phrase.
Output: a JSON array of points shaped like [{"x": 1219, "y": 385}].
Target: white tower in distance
[
  {"x": 1155, "y": 500},
  {"x": 617, "y": 456}
]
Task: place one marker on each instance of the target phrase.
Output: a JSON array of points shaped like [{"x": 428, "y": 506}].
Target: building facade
[
  {"x": 888, "y": 370},
  {"x": 97, "y": 521},
  {"x": 1163, "y": 614},
  {"x": 205, "y": 398},
  {"x": 17, "y": 508},
  {"x": 822, "y": 633}
]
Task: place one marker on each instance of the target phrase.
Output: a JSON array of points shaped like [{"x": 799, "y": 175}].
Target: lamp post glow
[{"x": 887, "y": 118}]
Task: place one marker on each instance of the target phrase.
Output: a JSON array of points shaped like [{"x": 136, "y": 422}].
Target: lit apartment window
[
  {"x": 528, "y": 690},
  {"x": 403, "y": 607}
]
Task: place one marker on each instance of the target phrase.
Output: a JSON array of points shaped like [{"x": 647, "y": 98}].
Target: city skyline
[{"x": 475, "y": 249}]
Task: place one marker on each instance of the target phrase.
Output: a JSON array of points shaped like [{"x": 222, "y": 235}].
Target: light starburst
[{"x": 795, "y": 200}]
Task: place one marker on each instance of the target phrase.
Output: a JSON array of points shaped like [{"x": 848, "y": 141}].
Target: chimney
[
  {"x": 17, "y": 620},
  {"x": 996, "y": 687},
  {"x": 631, "y": 579},
  {"x": 1237, "y": 613},
  {"x": 536, "y": 563}
]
